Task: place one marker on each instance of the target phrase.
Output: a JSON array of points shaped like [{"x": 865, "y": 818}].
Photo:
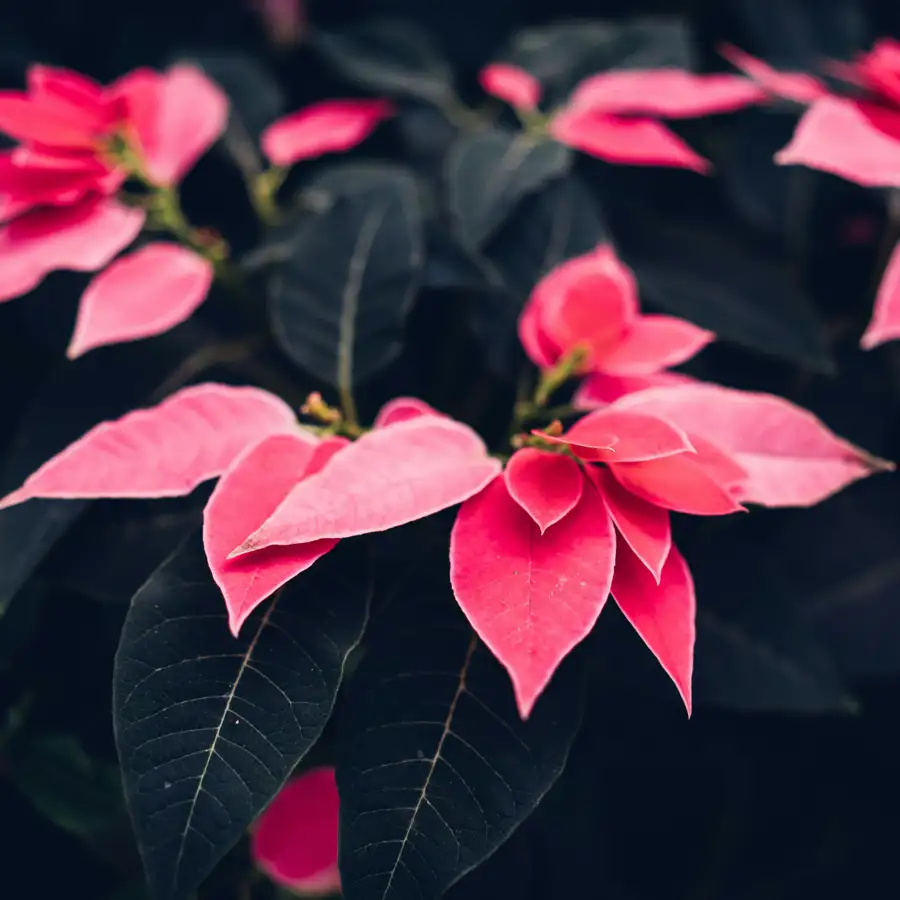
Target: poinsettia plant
[{"x": 430, "y": 418}]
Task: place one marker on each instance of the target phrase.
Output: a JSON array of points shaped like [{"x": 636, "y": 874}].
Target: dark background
[{"x": 783, "y": 785}]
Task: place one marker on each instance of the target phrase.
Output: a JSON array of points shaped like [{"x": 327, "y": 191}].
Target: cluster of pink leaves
[
  {"x": 537, "y": 547},
  {"x": 855, "y": 137},
  {"x": 58, "y": 186}
]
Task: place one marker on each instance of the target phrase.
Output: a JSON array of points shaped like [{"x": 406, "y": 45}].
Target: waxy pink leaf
[
  {"x": 530, "y": 597},
  {"x": 618, "y": 436},
  {"x": 295, "y": 840},
  {"x": 704, "y": 483},
  {"x": 388, "y": 477},
  {"x": 663, "y": 614},
  {"x": 401, "y": 409},
  {"x": 164, "y": 451},
  {"x": 83, "y": 238},
  {"x": 332, "y": 126},
  {"x": 797, "y": 86},
  {"x": 511, "y": 84},
  {"x": 791, "y": 458},
  {"x": 599, "y": 390},
  {"x": 655, "y": 342},
  {"x": 885, "y": 322},
  {"x": 641, "y": 142},
  {"x": 646, "y": 528},
  {"x": 244, "y": 497},
  {"x": 667, "y": 93},
  {"x": 546, "y": 485},
  {"x": 140, "y": 295},
  {"x": 835, "y": 135}
]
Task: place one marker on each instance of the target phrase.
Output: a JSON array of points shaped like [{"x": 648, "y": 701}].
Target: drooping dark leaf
[
  {"x": 562, "y": 221},
  {"x": 427, "y": 134},
  {"x": 561, "y": 54},
  {"x": 434, "y": 766},
  {"x": 340, "y": 296},
  {"x": 208, "y": 726},
  {"x": 723, "y": 281},
  {"x": 450, "y": 265},
  {"x": 489, "y": 173},
  {"x": 388, "y": 56}
]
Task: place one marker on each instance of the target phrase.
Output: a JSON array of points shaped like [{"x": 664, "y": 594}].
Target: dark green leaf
[
  {"x": 388, "y": 56},
  {"x": 434, "y": 766},
  {"x": 209, "y": 727},
  {"x": 348, "y": 276},
  {"x": 490, "y": 172}
]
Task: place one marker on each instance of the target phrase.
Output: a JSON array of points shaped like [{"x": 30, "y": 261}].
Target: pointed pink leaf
[
  {"x": 530, "y": 597},
  {"x": 637, "y": 142},
  {"x": 705, "y": 483},
  {"x": 511, "y": 84},
  {"x": 836, "y": 136},
  {"x": 546, "y": 485},
  {"x": 389, "y": 477},
  {"x": 796, "y": 86},
  {"x": 244, "y": 497},
  {"x": 611, "y": 435},
  {"x": 192, "y": 114},
  {"x": 295, "y": 840},
  {"x": 655, "y": 342},
  {"x": 164, "y": 451},
  {"x": 791, "y": 457},
  {"x": 83, "y": 238},
  {"x": 646, "y": 528},
  {"x": 667, "y": 93},
  {"x": 140, "y": 295},
  {"x": 663, "y": 614},
  {"x": 885, "y": 322},
  {"x": 332, "y": 126},
  {"x": 401, "y": 409},
  {"x": 599, "y": 390}
]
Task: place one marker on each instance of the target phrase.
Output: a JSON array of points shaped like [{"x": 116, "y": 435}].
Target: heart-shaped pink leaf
[
  {"x": 791, "y": 457},
  {"x": 836, "y": 136},
  {"x": 655, "y": 342},
  {"x": 511, "y": 84},
  {"x": 389, "y": 477},
  {"x": 668, "y": 93},
  {"x": 244, "y": 497},
  {"x": 332, "y": 126},
  {"x": 140, "y": 295},
  {"x": 885, "y": 322},
  {"x": 295, "y": 840},
  {"x": 646, "y": 528},
  {"x": 640, "y": 142},
  {"x": 546, "y": 485},
  {"x": 164, "y": 451},
  {"x": 663, "y": 614},
  {"x": 530, "y": 597},
  {"x": 401, "y": 409}
]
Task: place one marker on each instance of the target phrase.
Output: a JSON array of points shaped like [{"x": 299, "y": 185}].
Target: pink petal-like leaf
[
  {"x": 611, "y": 435},
  {"x": 401, "y": 409},
  {"x": 546, "y": 485},
  {"x": 885, "y": 322},
  {"x": 599, "y": 390},
  {"x": 704, "y": 483},
  {"x": 295, "y": 840},
  {"x": 192, "y": 114},
  {"x": 663, "y": 614},
  {"x": 530, "y": 597},
  {"x": 511, "y": 84},
  {"x": 646, "y": 528},
  {"x": 389, "y": 477},
  {"x": 332, "y": 126},
  {"x": 791, "y": 457},
  {"x": 655, "y": 342},
  {"x": 164, "y": 451},
  {"x": 667, "y": 93},
  {"x": 140, "y": 295},
  {"x": 83, "y": 238},
  {"x": 637, "y": 142},
  {"x": 796, "y": 86},
  {"x": 835, "y": 135},
  {"x": 244, "y": 497}
]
